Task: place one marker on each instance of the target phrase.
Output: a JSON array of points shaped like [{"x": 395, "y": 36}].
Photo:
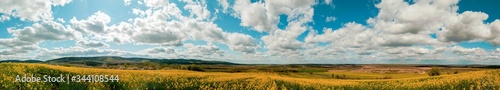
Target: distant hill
[
  {"x": 21, "y": 61},
  {"x": 112, "y": 60}
]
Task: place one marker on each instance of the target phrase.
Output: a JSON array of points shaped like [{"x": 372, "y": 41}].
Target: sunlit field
[{"x": 183, "y": 79}]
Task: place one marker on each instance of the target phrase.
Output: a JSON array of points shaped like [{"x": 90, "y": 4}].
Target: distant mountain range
[
  {"x": 93, "y": 61},
  {"x": 24, "y": 61}
]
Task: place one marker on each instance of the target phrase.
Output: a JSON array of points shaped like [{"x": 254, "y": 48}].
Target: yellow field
[{"x": 181, "y": 79}]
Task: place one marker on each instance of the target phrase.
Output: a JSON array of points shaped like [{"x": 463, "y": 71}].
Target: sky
[{"x": 255, "y": 31}]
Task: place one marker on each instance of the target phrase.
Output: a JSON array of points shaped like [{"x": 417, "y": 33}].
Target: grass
[
  {"x": 183, "y": 79},
  {"x": 362, "y": 75}
]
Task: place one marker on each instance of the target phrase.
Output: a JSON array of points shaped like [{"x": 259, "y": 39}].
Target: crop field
[{"x": 488, "y": 79}]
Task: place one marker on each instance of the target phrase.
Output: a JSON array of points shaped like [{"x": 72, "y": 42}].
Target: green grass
[
  {"x": 350, "y": 75},
  {"x": 362, "y": 75}
]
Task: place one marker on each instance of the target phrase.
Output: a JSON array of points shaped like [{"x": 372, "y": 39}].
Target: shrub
[
  {"x": 387, "y": 77},
  {"x": 195, "y": 68},
  {"x": 434, "y": 72}
]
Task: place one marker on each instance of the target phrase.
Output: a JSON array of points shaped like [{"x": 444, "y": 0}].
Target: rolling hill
[{"x": 112, "y": 60}]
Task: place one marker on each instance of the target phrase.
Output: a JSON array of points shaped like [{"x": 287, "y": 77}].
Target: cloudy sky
[{"x": 255, "y": 31}]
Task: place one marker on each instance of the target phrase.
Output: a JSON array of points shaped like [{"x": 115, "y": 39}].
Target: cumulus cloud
[
  {"x": 468, "y": 26},
  {"x": 13, "y": 42},
  {"x": 158, "y": 36},
  {"x": 202, "y": 50},
  {"x": 409, "y": 51},
  {"x": 81, "y": 52},
  {"x": 165, "y": 26},
  {"x": 120, "y": 33},
  {"x": 156, "y": 3},
  {"x": 92, "y": 44},
  {"x": 197, "y": 8},
  {"x": 467, "y": 51},
  {"x": 351, "y": 35},
  {"x": 241, "y": 42},
  {"x": 396, "y": 40},
  {"x": 426, "y": 17},
  {"x": 282, "y": 44},
  {"x": 60, "y": 2},
  {"x": 26, "y": 39},
  {"x": 495, "y": 33},
  {"x": 264, "y": 17},
  {"x": 224, "y": 4},
  {"x": 400, "y": 28},
  {"x": 38, "y": 32},
  {"x": 29, "y": 9},
  {"x": 18, "y": 50},
  {"x": 95, "y": 24},
  {"x": 254, "y": 15},
  {"x": 404, "y": 24},
  {"x": 329, "y": 35},
  {"x": 158, "y": 50}
]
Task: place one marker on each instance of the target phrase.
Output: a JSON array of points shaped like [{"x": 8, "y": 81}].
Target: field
[{"x": 362, "y": 78}]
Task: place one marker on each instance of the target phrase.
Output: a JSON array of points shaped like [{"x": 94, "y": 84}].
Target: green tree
[
  {"x": 434, "y": 72},
  {"x": 195, "y": 68}
]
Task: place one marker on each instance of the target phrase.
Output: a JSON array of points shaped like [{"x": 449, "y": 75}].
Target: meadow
[{"x": 487, "y": 79}]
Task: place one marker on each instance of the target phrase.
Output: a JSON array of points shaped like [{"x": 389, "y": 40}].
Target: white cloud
[
  {"x": 4, "y": 18},
  {"x": 82, "y": 52},
  {"x": 254, "y": 15},
  {"x": 346, "y": 32},
  {"x": 18, "y": 50},
  {"x": 402, "y": 24},
  {"x": 328, "y": 2},
  {"x": 26, "y": 39},
  {"x": 423, "y": 17},
  {"x": 31, "y": 10},
  {"x": 60, "y": 2},
  {"x": 92, "y": 44},
  {"x": 400, "y": 29},
  {"x": 165, "y": 26},
  {"x": 156, "y": 3},
  {"x": 161, "y": 35},
  {"x": 330, "y": 19},
  {"x": 426, "y": 17},
  {"x": 46, "y": 30},
  {"x": 127, "y": 2},
  {"x": 241, "y": 42},
  {"x": 224, "y": 4},
  {"x": 13, "y": 42},
  {"x": 396, "y": 40},
  {"x": 468, "y": 26},
  {"x": 264, "y": 17},
  {"x": 402, "y": 52},
  {"x": 208, "y": 50},
  {"x": 61, "y": 20},
  {"x": 94, "y": 24},
  {"x": 467, "y": 51},
  {"x": 120, "y": 33},
  {"x": 282, "y": 44},
  {"x": 495, "y": 33},
  {"x": 197, "y": 8},
  {"x": 159, "y": 50}
]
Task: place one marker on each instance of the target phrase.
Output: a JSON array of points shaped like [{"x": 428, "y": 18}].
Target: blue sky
[{"x": 256, "y": 31}]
